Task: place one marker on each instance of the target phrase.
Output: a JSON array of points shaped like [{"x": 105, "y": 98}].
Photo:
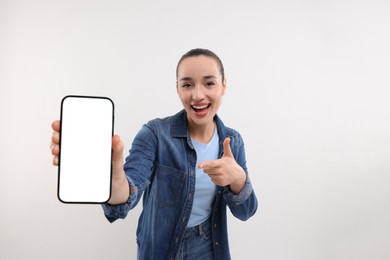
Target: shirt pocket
[{"x": 169, "y": 185}]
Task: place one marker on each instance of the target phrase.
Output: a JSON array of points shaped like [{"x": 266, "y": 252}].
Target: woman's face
[{"x": 200, "y": 88}]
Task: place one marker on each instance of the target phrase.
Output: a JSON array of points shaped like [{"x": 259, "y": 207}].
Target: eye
[
  {"x": 186, "y": 85},
  {"x": 210, "y": 84}
]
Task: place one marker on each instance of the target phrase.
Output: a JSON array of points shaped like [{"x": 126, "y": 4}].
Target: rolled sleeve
[
  {"x": 120, "y": 211},
  {"x": 237, "y": 199},
  {"x": 244, "y": 204}
]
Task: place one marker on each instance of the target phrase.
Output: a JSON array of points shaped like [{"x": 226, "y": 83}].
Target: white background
[{"x": 308, "y": 88}]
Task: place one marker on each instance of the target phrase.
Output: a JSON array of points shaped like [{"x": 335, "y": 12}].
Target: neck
[{"x": 202, "y": 133}]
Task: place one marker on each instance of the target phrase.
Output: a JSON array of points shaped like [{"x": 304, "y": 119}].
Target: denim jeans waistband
[{"x": 198, "y": 230}]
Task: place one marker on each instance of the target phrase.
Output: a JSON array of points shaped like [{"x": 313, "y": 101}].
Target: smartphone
[{"x": 84, "y": 166}]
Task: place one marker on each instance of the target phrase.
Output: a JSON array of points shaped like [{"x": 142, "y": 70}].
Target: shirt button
[
  {"x": 216, "y": 243},
  {"x": 219, "y": 192},
  {"x": 215, "y": 225},
  {"x": 177, "y": 240}
]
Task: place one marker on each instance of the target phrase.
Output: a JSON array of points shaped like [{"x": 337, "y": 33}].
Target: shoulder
[
  {"x": 227, "y": 131},
  {"x": 164, "y": 124},
  {"x": 236, "y": 140},
  {"x": 161, "y": 121},
  {"x": 232, "y": 133}
]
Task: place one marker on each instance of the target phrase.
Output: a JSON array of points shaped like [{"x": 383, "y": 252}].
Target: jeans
[{"x": 197, "y": 243}]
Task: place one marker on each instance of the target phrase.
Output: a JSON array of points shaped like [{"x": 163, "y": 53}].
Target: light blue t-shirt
[{"x": 204, "y": 187}]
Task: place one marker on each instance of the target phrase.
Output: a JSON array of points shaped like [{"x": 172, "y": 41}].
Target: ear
[{"x": 223, "y": 87}]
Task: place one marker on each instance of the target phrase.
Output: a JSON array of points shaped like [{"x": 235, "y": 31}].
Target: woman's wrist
[{"x": 237, "y": 186}]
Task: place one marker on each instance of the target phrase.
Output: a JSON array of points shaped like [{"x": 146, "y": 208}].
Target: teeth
[{"x": 200, "y": 107}]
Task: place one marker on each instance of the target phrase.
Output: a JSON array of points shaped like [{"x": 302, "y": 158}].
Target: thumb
[
  {"x": 117, "y": 150},
  {"x": 226, "y": 148}
]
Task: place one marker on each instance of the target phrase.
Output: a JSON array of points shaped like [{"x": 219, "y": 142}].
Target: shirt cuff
[
  {"x": 237, "y": 199},
  {"x": 120, "y": 211}
]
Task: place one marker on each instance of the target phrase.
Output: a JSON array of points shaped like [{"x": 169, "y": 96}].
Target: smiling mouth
[{"x": 200, "y": 108}]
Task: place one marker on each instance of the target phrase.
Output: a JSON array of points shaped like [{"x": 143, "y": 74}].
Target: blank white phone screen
[{"x": 85, "y": 149}]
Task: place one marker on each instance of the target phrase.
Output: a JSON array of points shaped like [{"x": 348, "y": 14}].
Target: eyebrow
[{"x": 205, "y": 77}]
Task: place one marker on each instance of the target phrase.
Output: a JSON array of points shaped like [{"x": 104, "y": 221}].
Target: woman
[{"x": 188, "y": 167}]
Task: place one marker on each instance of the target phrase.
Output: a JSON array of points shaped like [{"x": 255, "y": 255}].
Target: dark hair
[{"x": 202, "y": 52}]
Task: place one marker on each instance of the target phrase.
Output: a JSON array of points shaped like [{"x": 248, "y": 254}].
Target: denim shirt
[{"x": 161, "y": 167}]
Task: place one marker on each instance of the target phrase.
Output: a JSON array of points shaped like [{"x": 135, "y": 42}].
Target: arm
[
  {"x": 244, "y": 204},
  {"x": 136, "y": 175},
  {"x": 230, "y": 172}
]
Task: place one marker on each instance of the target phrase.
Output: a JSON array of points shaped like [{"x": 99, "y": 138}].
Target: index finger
[
  {"x": 208, "y": 164},
  {"x": 56, "y": 125}
]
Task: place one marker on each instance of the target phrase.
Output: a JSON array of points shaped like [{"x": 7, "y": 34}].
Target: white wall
[{"x": 308, "y": 88}]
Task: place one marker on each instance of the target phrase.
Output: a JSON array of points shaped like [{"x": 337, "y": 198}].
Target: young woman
[{"x": 187, "y": 167}]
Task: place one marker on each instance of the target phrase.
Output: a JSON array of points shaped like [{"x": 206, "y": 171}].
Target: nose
[{"x": 197, "y": 93}]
